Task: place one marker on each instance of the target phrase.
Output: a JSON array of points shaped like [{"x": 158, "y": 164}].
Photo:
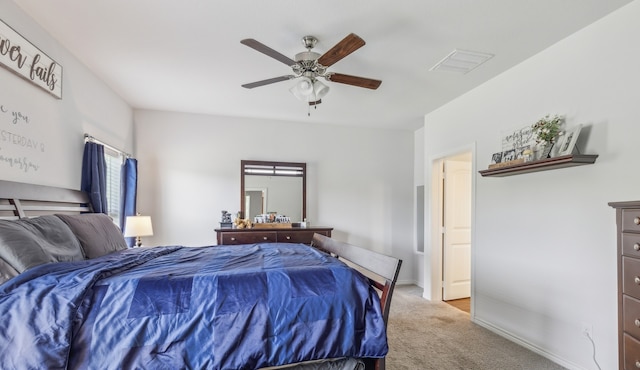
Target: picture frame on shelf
[
  {"x": 567, "y": 143},
  {"x": 508, "y": 155},
  {"x": 496, "y": 158}
]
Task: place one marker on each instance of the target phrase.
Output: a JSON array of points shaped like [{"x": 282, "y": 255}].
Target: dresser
[
  {"x": 628, "y": 231},
  {"x": 271, "y": 235}
]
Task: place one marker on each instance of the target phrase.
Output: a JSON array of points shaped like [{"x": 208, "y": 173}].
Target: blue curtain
[
  {"x": 128, "y": 189},
  {"x": 94, "y": 176}
]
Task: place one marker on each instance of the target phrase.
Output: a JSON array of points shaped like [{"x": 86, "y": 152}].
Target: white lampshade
[
  {"x": 138, "y": 226},
  {"x": 303, "y": 89},
  {"x": 320, "y": 90}
]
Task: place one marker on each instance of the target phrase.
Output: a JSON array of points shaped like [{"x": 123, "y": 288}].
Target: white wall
[
  {"x": 359, "y": 181},
  {"x": 545, "y": 243},
  {"x": 54, "y": 127}
]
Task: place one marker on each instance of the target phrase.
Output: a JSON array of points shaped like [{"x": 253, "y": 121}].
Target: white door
[{"x": 456, "y": 269}]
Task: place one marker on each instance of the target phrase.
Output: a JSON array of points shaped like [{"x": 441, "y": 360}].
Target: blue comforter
[{"x": 222, "y": 307}]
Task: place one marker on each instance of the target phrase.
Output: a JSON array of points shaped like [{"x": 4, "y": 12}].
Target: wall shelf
[{"x": 541, "y": 165}]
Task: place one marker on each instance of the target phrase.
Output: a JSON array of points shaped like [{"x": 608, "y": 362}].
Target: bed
[{"x": 73, "y": 296}]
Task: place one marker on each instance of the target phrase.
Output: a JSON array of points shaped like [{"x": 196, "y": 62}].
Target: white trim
[
  {"x": 528, "y": 345},
  {"x": 408, "y": 282},
  {"x": 433, "y": 251}
]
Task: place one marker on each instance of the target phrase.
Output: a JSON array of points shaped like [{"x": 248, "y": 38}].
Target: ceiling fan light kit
[{"x": 308, "y": 66}]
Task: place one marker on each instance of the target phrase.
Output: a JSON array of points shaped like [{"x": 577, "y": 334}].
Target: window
[{"x": 113, "y": 160}]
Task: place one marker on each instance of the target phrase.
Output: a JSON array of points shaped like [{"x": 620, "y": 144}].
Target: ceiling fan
[{"x": 308, "y": 66}]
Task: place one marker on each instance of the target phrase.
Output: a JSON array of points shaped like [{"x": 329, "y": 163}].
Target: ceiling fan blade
[
  {"x": 268, "y": 81},
  {"x": 345, "y": 47},
  {"x": 264, "y": 49},
  {"x": 368, "y": 83}
]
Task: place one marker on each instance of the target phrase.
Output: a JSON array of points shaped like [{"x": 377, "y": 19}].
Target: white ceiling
[{"x": 186, "y": 56}]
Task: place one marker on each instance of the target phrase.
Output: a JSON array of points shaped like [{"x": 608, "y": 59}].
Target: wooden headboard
[
  {"x": 385, "y": 268},
  {"x": 21, "y": 200}
]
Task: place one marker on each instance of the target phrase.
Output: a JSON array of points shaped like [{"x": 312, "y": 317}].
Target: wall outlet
[{"x": 586, "y": 329}]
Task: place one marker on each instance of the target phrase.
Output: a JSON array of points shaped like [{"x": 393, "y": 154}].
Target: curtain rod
[{"x": 88, "y": 137}]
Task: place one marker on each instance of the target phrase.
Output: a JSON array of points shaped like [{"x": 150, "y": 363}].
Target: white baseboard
[
  {"x": 408, "y": 282},
  {"x": 530, "y": 346}
]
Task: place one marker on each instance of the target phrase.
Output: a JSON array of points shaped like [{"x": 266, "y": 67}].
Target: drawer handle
[
  {"x": 637, "y": 280},
  {"x": 265, "y": 238},
  {"x": 636, "y": 247},
  {"x": 288, "y": 237},
  {"x": 638, "y": 364},
  {"x": 233, "y": 239},
  {"x": 636, "y": 220}
]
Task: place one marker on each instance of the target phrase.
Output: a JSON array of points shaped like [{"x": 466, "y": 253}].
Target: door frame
[{"x": 433, "y": 221}]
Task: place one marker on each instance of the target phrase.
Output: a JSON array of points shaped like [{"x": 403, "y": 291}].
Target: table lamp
[{"x": 138, "y": 226}]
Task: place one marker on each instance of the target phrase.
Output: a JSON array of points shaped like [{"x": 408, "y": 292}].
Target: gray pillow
[
  {"x": 6, "y": 271},
  {"x": 30, "y": 242},
  {"x": 97, "y": 234}
]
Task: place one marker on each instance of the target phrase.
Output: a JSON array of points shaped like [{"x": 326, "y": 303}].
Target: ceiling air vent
[{"x": 461, "y": 61}]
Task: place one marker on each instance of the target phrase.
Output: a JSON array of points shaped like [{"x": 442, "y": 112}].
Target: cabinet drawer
[
  {"x": 631, "y": 314},
  {"x": 631, "y": 245},
  {"x": 249, "y": 238},
  {"x": 631, "y": 220},
  {"x": 304, "y": 237},
  {"x": 631, "y": 352},
  {"x": 631, "y": 276}
]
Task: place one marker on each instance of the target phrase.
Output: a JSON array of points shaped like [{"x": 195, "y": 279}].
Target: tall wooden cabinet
[{"x": 628, "y": 230}]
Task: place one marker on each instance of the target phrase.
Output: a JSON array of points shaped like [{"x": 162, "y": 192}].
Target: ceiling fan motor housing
[
  {"x": 307, "y": 64},
  {"x": 307, "y": 56}
]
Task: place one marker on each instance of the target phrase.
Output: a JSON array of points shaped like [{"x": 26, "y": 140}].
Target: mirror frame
[{"x": 274, "y": 168}]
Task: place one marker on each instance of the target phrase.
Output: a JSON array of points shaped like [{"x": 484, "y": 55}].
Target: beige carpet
[{"x": 434, "y": 335}]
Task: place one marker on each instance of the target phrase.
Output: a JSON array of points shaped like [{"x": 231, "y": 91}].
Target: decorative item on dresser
[
  {"x": 270, "y": 235},
  {"x": 628, "y": 231}
]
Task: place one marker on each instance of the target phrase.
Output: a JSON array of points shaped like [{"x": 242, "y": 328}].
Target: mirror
[{"x": 273, "y": 187}]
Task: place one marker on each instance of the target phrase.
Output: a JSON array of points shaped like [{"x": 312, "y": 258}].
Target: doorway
[
  {"x": 451, "y": 209},
  {"x": 255, "y": 202}
]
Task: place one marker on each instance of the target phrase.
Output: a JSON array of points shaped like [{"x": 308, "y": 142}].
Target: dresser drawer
[
  {"x": 304, "y": 237},
  {"x": 631, "y": 314},
  {"x": 631, "y": 245},
  {"x": 631, "y": 353},
  {"x": 631, "y": 220},
  {"x": 231, "y": 238},
  {"x": 631, "y": 276},
  {"x": 272, "y": 235}
]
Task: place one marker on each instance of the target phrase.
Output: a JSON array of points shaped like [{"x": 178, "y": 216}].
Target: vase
[{"x": 546, "y": 151}]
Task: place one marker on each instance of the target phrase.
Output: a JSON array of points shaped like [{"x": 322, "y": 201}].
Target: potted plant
[{"x": 547, "y": 130}]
